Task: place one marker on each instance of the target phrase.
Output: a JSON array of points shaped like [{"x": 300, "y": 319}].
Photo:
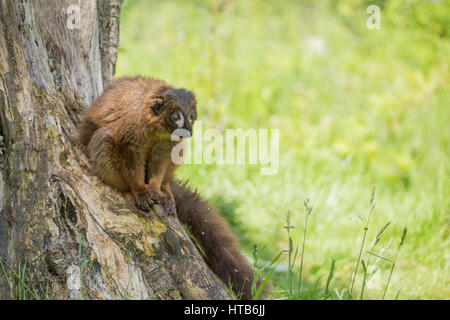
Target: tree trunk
[{"x": 63, "y": 233}]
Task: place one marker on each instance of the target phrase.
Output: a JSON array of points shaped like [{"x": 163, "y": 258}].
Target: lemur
[{"x": 127, "y": 137}]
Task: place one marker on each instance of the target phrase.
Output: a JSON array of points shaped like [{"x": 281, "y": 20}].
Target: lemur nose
[
  {"x": 188, "y": 132},
  {"x": 188, "y": 128}
]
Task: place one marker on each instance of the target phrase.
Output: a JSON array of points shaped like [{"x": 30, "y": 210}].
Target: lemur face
[{"x": 178, "y": 108}]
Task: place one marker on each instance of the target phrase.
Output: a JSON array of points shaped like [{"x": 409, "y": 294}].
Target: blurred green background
[{"x": 355, "y": 108}]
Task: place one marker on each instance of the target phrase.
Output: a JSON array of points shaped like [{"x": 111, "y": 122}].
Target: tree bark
[{"x": 63, "y": 233}]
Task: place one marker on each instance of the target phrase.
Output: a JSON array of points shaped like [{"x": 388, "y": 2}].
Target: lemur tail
[{"x": 215, "y": 238}]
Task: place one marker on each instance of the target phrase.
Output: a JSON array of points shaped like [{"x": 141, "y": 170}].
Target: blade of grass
[
  {"x": 366, "y": 228},
  {"x": 381, "y": 257},
  {"x": 20, "y": 280},
  {"x": 330, "y": 276},
  {"x": 288, "y": 227},
  {"x": 364, "y": 280},
  {"x": 308, "y": 209},
  {"x": 394, "y": 263},
  {"x": 5, "y": 273}
]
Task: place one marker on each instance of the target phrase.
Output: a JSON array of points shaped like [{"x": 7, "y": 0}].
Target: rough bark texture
[{"x": 76, "y": 236}]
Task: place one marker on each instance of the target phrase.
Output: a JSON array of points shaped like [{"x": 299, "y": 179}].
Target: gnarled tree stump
[{"x": 69, "y": 235}]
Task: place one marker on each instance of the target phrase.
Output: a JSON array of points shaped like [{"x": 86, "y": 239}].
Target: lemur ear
[
  {"x": 158, "y": 104},
  {"x": 160, "y": 101}
]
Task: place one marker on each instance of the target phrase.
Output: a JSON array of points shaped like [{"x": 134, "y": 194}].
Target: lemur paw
[
  {"x": 144, "y": 201},
  {"x": 156, "y": 196}
]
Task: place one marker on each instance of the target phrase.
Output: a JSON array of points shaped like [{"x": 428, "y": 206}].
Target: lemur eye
[
  {"x": 176, "y": 116},
  {"x": 191, "y": 116}
]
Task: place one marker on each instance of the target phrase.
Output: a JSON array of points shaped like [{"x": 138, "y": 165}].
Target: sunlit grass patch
[{"x": 355, "y": 107}]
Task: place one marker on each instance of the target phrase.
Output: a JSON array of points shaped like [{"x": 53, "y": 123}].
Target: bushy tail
[{"x": 215, "y": 238}]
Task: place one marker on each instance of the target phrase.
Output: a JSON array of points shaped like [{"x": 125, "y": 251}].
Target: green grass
[
  {"x": 18, "y": 279},
  {"x": 355, "y": 107}
]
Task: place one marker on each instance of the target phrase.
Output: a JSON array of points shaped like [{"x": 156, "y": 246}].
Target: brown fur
[
  {"x": 214, "y": 236},
  {"x": 127, "y": 138},
  {"x": 127, "y": 134}
]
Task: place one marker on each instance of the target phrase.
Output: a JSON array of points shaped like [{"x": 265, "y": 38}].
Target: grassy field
[{"x": 355, "y": 108}]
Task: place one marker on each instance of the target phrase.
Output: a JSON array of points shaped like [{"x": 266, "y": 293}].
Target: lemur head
[{"x": 178, "y": 109}]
